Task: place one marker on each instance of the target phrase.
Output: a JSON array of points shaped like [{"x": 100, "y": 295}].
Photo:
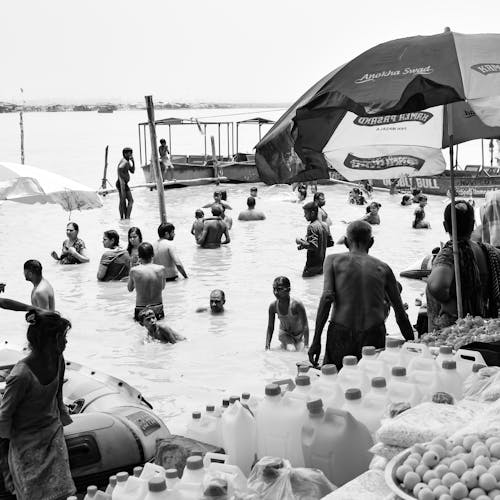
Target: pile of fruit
[
  {"x": 465, "y": 468},
  {"x": 464, "y": 331}
]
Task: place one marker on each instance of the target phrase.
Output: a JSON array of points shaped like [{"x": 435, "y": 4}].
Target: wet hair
[
  {"x": 137, "y": 231},
  {"x": 143, "y": 313},
  {"x": 317, "y": 195},
  {"x": 199, "y": 213},
  {"x": 112, "y": 235},
  {"x": 126, "y": 150},
  {"x": 250, "y": 202},
  {"x": 359, "y": 232},
  {"x": 218, "y": 192},
  {"x": 34, "y": 266},
  {"x": 281, "y": 281},
  {"x": 217, "y": 210},
  {"x": 310, "y": 207},
  {"x": 465, "y": 218},
  {"x": 75, "y": 226},
  {"x": 253, "y": 188},
  {"x": 45, "y": 327},
  {"x": 146, "y": 251},
  {"x": 163, "y": 141},
  {"x": 164, "y": 228},
  {"x": 405, "y": 199},
  {"x": 220, "y": 292}
]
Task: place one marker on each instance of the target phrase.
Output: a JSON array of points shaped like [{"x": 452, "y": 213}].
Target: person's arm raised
[
  {"x": 270, "y": 325},
  {"x": 392, "y": 291}
]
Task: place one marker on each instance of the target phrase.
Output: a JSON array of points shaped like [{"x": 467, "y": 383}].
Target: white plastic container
[
  {"x": 465, "y": 361},
  {"x": 370, "y": 364},
  {"x": 328, "y": 389},
  {"x": 302, "y": 389},
  {"x": 217, "y": 464},
  {"x": 190, "y": 485},
  {"x": 121, "y": 484},
  {"x": 239, "y": 436},
  {"x": 354, "y": 405},
  {"x": 391, "y": 354},
  {"x": 295, "y": 411},
  {"x": 400, "y": 389},
  {"x": 111, "y": 485},
  {"x": 351, "y": 376},
  {"x": 136, "y": 489},
  {"x": 375, "y": 404},
  {"x": 411, "y": 350},
  {"x": 421, "y": 359},
  {"x": 448, "y": 380},
  {"x": 157, "y": 490},
  {"x": 172, "y": 478},
  {"x": 445, "y": 353},
  {"x": 209, "y": 428},
  {"x": 150, "y": 470},
  {"x": 194, "y": 429},
  {"x": 224, "y": 406},
  {"x": 91, "y": 493},
  {"x": 308, "y": 370}
]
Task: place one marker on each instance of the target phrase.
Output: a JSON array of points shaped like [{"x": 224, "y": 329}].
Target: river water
[{"x": 224, "y": 354}]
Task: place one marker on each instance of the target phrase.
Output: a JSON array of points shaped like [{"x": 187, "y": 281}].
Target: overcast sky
[{"x": 211, "y": 50}]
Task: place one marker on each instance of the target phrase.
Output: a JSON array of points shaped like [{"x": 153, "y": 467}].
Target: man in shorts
[
  {"x": 166, "y": 254},
  {"x": 125, "y": 168},
  {"x": 148, "y": 280},
  {"x": 357, "y": 285}
]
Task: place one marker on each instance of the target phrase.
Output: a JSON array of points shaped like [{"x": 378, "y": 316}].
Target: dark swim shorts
[
  {"x": 342, "y": 341},
  {"x": 157, "y": 309},
  {"x": 127, "y": 188}
]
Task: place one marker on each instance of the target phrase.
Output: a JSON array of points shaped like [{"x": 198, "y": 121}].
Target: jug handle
[
  {"x": 420, "y": 348},
  {"x": 286, "y": 381},
  {"x": 349, "y": 419},
  {"x": 473, "y": 356},
  {"x": 214, "y": 457}
]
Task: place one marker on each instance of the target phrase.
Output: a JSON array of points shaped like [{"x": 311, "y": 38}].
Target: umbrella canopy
[{"x": 26, "y": 184}]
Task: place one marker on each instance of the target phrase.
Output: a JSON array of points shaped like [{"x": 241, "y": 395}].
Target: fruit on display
[
  {"x": 464, "y": 468},
  {"x": 464, "y": 331}
]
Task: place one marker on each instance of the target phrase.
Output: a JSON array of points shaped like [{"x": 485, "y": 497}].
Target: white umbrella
[{"x": 27, "y": 184}]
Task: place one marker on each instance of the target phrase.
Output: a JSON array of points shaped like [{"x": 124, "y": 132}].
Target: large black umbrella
[{"x": 400, "y": 77}]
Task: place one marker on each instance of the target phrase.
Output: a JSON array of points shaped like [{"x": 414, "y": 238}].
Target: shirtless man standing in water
[
  {"x": 213, "y": 230},
  {"x": 356, "y": 284},
  {"x": 125, "y": 167},
  {"x": 148, "y": 280},
  {"x": 42, "y": 295}
]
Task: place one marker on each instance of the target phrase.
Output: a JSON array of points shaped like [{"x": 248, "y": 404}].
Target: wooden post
[
  {"x": 214, "y": 158},
  {"x": 104, "y": 179},
  {"x": 155, "y": 164},
  {"x": 21, "y": 126}
]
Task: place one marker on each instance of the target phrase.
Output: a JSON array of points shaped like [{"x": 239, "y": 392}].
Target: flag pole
[{"x": 454, "y": 239}]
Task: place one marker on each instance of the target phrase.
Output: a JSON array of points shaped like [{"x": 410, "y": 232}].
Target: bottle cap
[
  {"x": 303, "y": 368},
  {"x": 379, "y": 382},
  {"x": 446, "y": 349},
  {"x": 329, "y": 370},
  {"x": 92, "y": 490},
  {"x": 137, "y": 471},
  {"x": 302, "y": 380},
  {"x": 368, "y": 350},
  {"x": 315, "y": 406},
  {"x": 157, "y": 484},
  {"x": 398, "y": 371},
  {"x": 352, "y": 394},
  {"x": 196, "y": 415},
  {"x": 477, "y": 366},
  {"x": 449, "y": 364},
  {"x": 232, "y": 399},
  {"x": 210, "y": 408},
  {"x": 349, "y": 360},
  {"x": 121, "y": 477},
  {"x": 273, "y": 390},
  {"x": 245, "y": 396},
  {"x": 392, "y": 343},
  {"x": 225, "y": 403},
  {"x": 112, "y": 480},
  {"x": 194, "y": 462},
  {"x": 171, "y": 473}
]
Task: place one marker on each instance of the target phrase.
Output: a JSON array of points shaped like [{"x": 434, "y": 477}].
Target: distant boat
[{"x": 108, "y": 108}]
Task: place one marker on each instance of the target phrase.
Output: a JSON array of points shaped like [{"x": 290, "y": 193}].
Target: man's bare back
[
  {"x": 213, "y": 230},
  {"x": 42, "y": 295},
  {"x": 148, "y": 280}
]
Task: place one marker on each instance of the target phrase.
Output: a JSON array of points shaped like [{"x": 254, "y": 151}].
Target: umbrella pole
[{"x": 458, "y": 281}]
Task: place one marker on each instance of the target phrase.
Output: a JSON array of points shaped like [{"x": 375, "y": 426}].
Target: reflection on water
[{"x": 224, "y": 353}]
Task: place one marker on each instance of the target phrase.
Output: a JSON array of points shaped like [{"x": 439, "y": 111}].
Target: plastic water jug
[
  {"x": 420, "y": 358},
  {"x": 239, "y": 436},
  {"x": 401, "y": 389},
  {"x": 339, "y": 447},
  {"x": 351, "y": 376},
  {"x": 448, "y": 380},
  {"x": 392, "y": 353},
  {"x": 194, "y": 429},
  {"x": 137, "y": 471},
  {"x": 295, "y": 410},
  {"x": 445, "y": 353},
  {"x": 136, "y": 489},
  {"x": 217, "y": 464},
  {"x": 370, "y": 364},
  {"x": 91, "y": 493},
  {"x": 316, "y": 414},
  {"x": 251, "y": 402},
  {"x": 172, "y": 478},
  {"x": 328, "y": 389},
  {"x": 302, "y": 388},
  {"x": 111, "y": 485},
  {"x": 157, "y": 490},
  {"x": 375, "y": 404},
  {"x": 308, "y": 370},
  {"x": 354, "y": 405},
  {"x": 121, "y": 484},
  {"x": 150, "y": 470},
  {"x": 190, "y": 485},
  {"x": 466, "y": 359},
  {"x": 211, "y": 426},
  {"x": 224, "y": 406},
  {"x": 233, "y": 400}
]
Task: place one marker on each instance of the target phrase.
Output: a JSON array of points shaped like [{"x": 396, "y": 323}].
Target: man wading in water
[
  {"x": 125, "y": 166},
  {"x": 356, "y": 284}
]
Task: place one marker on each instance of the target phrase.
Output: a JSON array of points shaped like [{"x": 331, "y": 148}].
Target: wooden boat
[{"x": 223, "y": 164}]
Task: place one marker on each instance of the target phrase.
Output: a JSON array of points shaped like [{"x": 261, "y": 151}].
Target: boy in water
[
  {"x": 157, "y": 331},
  {"x": 419, "y": 221},
  {"x": 197, "y": 227},
  {"x": 294, "y": 329}
]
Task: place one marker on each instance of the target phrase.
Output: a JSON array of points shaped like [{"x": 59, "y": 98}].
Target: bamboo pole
[
  {"x": 104, "y": 179},
  {"x": 21, "y": 126},
  {"x": 155, "y": 164},
  {"x": 214, "y": 158}
]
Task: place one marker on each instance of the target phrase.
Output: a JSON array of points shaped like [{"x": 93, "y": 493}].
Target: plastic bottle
[
  {"x": 328, "y": 389},
  {"x": 111, "y": 485},
  {"x": 137, "y": 471},
  {"x": 91, "y": 493},
  {"x": 157, "y": 489},
  {"x": 316, "y": 414},
  {"x": 295, "y": 414},
  {"x": 375, "y": 403},
  {"x": 354, "y": 405},
  {"x": 233, "y": 399},
  {"x": 370, "y": 364},
  {"x": 309, "y": 371},
  {"x": 391, "y": 354},
  {"x": 211, "y": 427},
  {"x": 401, "y": 389},
  {"x": 445, "y": 353},
  {"x": 194, "y": 429},
  {"x": 190, "y": 485},
  {"x": 136, "y": 489},
  {"x": 339, "y": 447},
  {"x": 151, "y": 470},
  {"x": 351, "y": 376},
  {"x": 251, "y": 402},
  {"x": 420, "y": 358},
  {"x": 172, "y": 478},
  {"x": 217, "y": 465},
  {"x": 448, "y": 380},
  {"x": 224, "y": 406},
  {"x": 302, "y": 388},
  {"x": 269, "y": 432},
  {"x": 121, "y": 483},
  {"x": 239, "y": 436}
]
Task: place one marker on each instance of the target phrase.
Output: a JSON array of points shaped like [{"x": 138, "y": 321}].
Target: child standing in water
[
  {"x": 197, "y": 227},
  {"x": 294, "y": 329}
]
